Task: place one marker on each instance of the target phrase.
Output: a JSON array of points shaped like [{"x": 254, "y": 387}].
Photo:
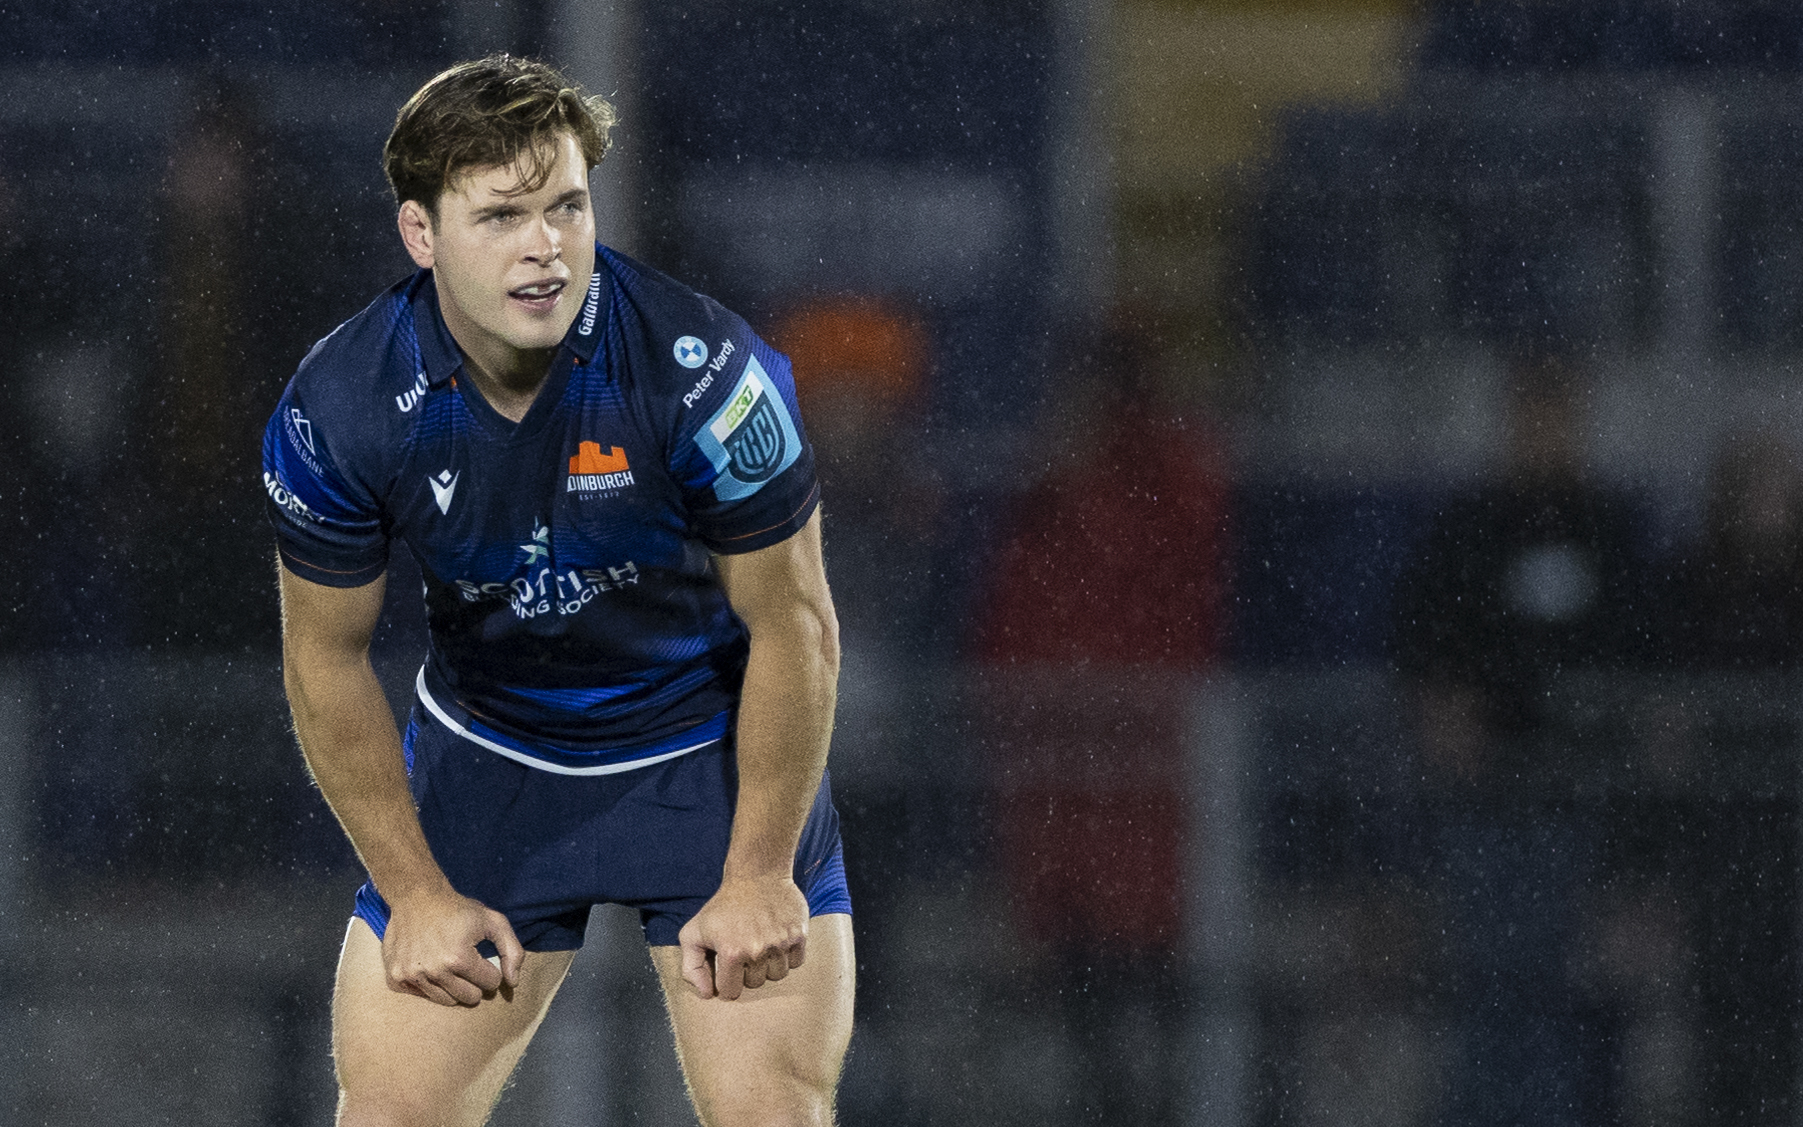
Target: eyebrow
[
  {"x": 511, "y": 208},
  {"x": 497, "y": 209}
]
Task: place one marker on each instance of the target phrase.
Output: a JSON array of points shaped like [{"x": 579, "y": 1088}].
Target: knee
[
  {"x": 355, "y": 1112},
  {"x": 361, "y": 1113},
  {"x": 365, "y": 1110},
  {"x": 793, "y": 1104}
]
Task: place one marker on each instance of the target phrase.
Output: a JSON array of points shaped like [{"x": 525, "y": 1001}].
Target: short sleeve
[
  {"x": 328, "y": 530},
  {"x": 741, "y": 454}
]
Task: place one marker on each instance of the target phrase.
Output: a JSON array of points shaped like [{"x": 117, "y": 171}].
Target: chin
[{"x": 537, "y": 338}]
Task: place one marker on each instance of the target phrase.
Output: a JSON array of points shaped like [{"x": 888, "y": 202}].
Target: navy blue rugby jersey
[{"x": 577, "y": 622}]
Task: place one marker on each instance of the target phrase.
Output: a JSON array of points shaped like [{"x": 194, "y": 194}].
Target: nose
[{"x": 545, "y": 246}]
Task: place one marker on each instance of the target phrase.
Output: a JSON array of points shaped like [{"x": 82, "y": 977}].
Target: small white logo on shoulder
[
  {"x": 303, "y": 428},
  {"x": 707, "y": 379},
  {"x": 283, "y": 496},
  {"x": 443, "y": 486},
  {"x": 412, "y": 395},
  {"x": 690, "y": 352}
]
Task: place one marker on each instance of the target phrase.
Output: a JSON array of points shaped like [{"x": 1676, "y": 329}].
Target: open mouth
[{"x": 539, "y": 296}]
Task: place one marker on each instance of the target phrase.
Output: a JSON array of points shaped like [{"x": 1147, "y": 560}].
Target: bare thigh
[
  {"x": 772, "y": 1056},
  {"x": 404, "y": 1060}
]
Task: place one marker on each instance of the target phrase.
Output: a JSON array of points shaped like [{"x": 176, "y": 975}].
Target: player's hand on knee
[
  {"x": 751, "y": 932},
  {"x": 429, "y": 949}
]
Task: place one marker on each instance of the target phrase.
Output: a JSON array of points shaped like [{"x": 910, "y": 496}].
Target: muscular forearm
[
  {"x": 348, "y": 737},
  {"x": 430, "y": 947},
  {"x": 785, "y": 725}
]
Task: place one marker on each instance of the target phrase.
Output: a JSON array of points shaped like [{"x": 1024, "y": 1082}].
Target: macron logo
[{"x": 443, "y": 486}]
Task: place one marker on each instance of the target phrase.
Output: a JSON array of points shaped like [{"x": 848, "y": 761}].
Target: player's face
[{"x": 512, "y": 269}]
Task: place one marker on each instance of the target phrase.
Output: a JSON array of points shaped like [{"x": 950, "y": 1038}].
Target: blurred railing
[
  {"x": 174, "y": 892},
  {"x": 1488, "y": 205}
]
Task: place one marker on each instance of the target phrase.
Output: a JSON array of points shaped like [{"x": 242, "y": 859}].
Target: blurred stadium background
[{"x": 1313, "y": 505}]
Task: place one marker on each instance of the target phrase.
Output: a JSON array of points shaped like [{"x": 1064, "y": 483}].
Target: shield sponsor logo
[
  {"x": 756, "y": 447},
  {"x": 751, "y": 438}
]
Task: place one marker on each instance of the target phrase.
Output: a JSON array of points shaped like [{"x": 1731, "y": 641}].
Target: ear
[{"x": 416, "y": 233}]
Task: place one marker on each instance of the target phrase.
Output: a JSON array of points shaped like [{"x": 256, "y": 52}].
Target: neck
[
  {"x": 509, "y": 378},
  {"x": 512, "y": 390}
]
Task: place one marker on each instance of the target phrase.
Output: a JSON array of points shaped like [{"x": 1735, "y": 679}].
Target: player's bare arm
[
  {"x": 755, "y": 927},
  {"x": 354, "y": 752}
]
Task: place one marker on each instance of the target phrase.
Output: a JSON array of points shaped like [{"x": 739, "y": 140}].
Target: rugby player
[{"x": 630, "y": 686}]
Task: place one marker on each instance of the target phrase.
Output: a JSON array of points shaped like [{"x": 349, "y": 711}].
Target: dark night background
[{"x": 1313, "y": 506}]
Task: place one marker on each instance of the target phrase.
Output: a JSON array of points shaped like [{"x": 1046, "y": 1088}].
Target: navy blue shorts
[{"x": 543, "y": 848}]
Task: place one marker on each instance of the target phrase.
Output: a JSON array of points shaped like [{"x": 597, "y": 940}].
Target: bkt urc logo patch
[
  {"x": 757, "y": 446},
  {"x": 751, "y": 438}
]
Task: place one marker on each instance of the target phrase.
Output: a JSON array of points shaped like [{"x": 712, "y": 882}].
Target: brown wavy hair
[{"x": 490, "y": 113}]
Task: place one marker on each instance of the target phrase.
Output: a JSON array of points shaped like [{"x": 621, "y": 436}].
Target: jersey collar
[
  {"x": 585, "y": 332},
  {"x": 438, "y": 350}
]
